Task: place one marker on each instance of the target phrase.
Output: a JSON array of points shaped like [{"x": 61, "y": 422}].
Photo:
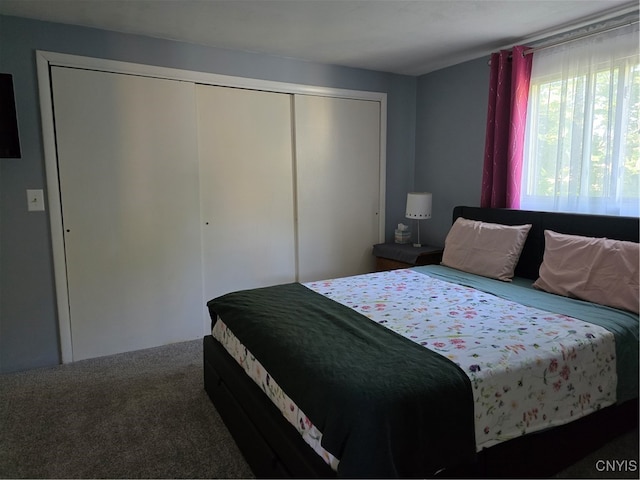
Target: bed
[{"x": 405, "y": 374}]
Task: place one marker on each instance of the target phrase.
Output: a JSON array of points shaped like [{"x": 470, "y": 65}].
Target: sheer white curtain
[{"x": 582, "y": 141}]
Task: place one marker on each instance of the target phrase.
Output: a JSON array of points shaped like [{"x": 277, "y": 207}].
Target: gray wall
[
  {"x": 28, "y": 323},
  {"x": 435, "y": 141},
  {"x": 450, "y": 131}
]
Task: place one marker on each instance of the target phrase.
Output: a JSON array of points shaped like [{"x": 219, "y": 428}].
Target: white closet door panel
[
  {"x": 128, "y": 170},
  {"x": 246, "y": 165},
  {"x": 338, "y": 185}
]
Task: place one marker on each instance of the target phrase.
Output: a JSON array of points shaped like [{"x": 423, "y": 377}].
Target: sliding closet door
[
  {"x": 245, "y": 148},
  {"x": 338, "y": 185},
  {"x": 128, "y": 170}
]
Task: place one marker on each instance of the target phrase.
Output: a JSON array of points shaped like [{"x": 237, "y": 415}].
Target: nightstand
[{"x": 390, "y": 256}]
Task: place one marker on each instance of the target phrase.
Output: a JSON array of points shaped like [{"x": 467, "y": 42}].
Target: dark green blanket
[{"x": 386, "y": 407}]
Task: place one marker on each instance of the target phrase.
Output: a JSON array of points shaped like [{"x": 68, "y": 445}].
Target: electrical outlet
[{"x": 35, "y": 200}]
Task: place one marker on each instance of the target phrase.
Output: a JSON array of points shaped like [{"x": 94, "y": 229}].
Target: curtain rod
[{"x": 580, "y": 37}]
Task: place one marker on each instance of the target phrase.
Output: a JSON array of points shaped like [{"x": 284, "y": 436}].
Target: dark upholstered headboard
[{"x": 618, "y": 228}]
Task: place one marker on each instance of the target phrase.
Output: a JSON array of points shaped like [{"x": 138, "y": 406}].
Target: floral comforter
[{"x": 530, "y": 369}]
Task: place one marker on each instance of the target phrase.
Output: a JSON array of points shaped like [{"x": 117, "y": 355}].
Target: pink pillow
[
  {"x": 598, "y": 270},
  {"x": 487, "y": 249}
]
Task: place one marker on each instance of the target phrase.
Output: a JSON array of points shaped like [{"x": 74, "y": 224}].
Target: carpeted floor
[
  {"x": 145, "y": 414},
  {"x": 616, "y": 459}
]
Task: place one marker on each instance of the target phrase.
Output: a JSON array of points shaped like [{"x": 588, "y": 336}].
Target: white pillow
[
  {"x": 487, "y": 249},
  {"x": 598, "y": 270}
]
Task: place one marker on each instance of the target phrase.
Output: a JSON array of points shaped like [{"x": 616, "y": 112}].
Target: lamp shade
[{"x": 418, "y": 205}]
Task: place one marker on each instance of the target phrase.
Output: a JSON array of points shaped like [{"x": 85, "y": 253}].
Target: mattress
[{"x": 532, "y": 359}]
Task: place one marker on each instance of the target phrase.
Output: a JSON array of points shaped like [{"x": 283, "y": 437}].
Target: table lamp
[{"x": 418, "y": 208}]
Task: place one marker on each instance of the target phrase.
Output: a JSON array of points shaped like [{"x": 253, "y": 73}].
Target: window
[{"x": 582, "y": 142}]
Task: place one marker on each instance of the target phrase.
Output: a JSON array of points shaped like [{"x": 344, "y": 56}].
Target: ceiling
[{"x": 409, "y": 37}]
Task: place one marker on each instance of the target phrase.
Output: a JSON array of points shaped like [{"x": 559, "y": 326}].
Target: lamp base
[{"x": 417, "y": 244}]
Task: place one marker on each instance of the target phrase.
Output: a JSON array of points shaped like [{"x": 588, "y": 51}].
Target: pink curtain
[{"x": 506, "y": 117}]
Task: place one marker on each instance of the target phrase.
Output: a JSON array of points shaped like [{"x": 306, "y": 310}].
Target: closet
[
  {"x": 338, "y": 178},
  {"x": 128, "y": 169},
  {"x": 173, "y": 191},
  {"x": 247, "y": 188}
]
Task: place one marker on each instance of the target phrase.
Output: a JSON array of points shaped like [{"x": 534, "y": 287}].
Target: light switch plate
[{"x": 35, "y": 200}]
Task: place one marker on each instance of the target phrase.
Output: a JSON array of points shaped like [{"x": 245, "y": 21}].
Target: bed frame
[{"x": 274, "y": 449}]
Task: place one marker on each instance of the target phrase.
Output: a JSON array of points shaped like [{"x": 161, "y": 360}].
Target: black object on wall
[{"x": 9, "y": 138}]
